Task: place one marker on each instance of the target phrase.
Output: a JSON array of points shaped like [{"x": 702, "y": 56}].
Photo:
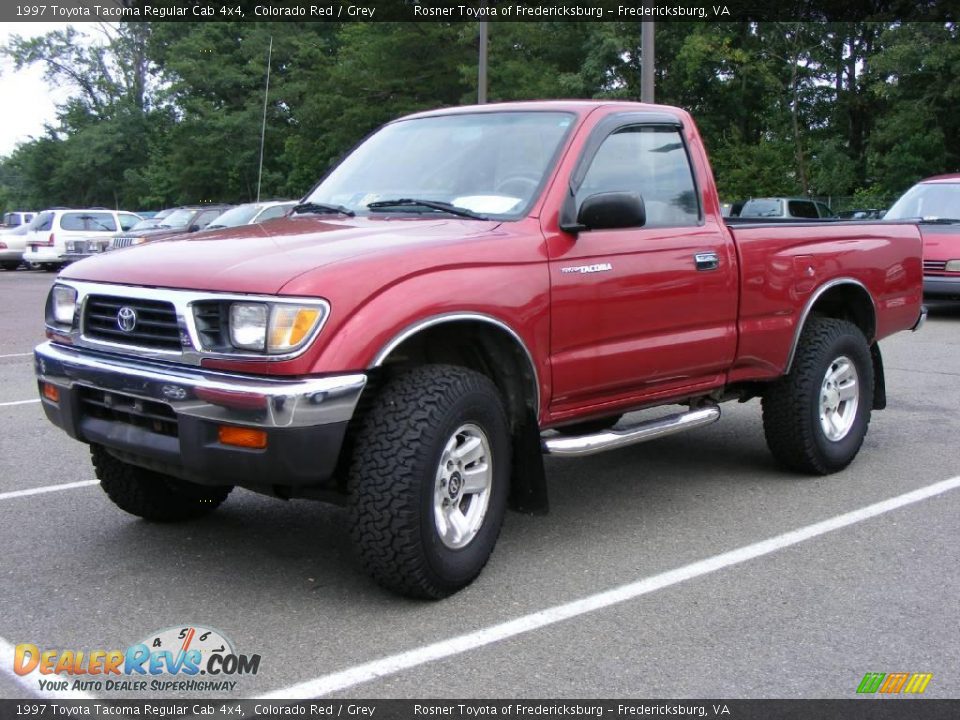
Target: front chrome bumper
[
  {"x": 205, "y": 394},
  {"x": 168, "y": 418}
]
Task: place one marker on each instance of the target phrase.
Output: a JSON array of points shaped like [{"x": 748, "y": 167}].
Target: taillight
[
  {"x": 3, "y": 246},
  {"x": 49, "y": 242}
]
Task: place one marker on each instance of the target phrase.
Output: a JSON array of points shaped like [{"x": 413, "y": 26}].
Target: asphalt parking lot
[{"x": 805, "y": 619}]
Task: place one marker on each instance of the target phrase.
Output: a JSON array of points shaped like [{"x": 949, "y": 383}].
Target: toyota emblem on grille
[{"x": 127, "y": 319}]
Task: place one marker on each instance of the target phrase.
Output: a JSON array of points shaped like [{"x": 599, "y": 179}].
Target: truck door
[{"x": 644, "y": 311}]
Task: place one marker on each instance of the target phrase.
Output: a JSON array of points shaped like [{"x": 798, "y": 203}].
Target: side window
[
  {"x": 206, "y": 217},
  {"x": 127, "y": 220},
  {"x": 802, "y": 209},
  {"x": 42, "y": 222},
  {"x": 652, "y": 161},
  {"x": 825, "y": 212}
]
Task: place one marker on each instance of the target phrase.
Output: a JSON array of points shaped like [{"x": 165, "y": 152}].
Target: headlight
[
  {"x": 274, "y": 328},
  {"x": 63, "y": 305},
  {"x": 248, "y": 325},
  {"x": 952, "y": 266}
]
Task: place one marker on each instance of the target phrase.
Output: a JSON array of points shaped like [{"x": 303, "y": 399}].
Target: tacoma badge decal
[{"x": 584, "y": 269}]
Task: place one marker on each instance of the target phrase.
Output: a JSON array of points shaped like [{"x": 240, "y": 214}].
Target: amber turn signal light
[
  {"x": 242, "y": 437},
  {"x": 51, "y": 392}
]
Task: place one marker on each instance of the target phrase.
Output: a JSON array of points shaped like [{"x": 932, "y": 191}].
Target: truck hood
[
  {"x": 940, "y": 242},
  {"x": 263, "y": 258}
]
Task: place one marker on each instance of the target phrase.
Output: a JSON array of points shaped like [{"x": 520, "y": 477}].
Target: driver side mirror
[
  {"x": 611, "y": 211},
  {"x": 193, "y": 228}
]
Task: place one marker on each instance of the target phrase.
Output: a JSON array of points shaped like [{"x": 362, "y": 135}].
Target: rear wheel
[
  {"x": 815, "y": 418},
  {"x": 10, "y": 265},
  {"x": 429, "y": 480},
  {"x": 152, "y": 495}
]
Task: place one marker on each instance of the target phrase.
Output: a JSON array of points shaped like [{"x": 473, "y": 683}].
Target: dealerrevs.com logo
[{"x": 190, "y": 658}]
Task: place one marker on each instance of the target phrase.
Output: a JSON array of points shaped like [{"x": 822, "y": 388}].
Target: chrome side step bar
[{"x": 583, "y": 445}]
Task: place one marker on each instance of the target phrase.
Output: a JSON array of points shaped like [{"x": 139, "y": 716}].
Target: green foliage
[{"x": 166, "y": 113}]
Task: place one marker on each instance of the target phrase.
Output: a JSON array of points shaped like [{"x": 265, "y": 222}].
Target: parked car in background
[
  {"x": 252, "y": 213},
  {"x": 12, "y": 244},
  {"x": 46, "y": 239},
  {"x": 865, "y": 214},
  {"x": 17, "y": 218},
  {"x": 785, "y": 208},
  {"x": 934, "y": 204},
  {"x": 166, "y": 223},
  {"x": 152, "y": 220},
  {"x": 186, "y": 219}
]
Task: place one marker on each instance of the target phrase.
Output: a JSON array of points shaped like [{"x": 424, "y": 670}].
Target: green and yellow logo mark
[{"x": 893, "y": 683}]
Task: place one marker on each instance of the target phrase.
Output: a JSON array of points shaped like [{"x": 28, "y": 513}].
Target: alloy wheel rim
[
  {"x": 462, "y": 488},
  {"x": 839, "y": 398}
]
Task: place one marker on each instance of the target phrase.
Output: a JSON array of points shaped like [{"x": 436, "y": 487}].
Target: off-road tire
[
  {"x": 152, "y": 495},
  {"x": 791, "y": 406},
  {"x": 393, "y": 474}
]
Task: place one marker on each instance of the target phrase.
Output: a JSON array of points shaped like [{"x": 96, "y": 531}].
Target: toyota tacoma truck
[{"x": 468, "y": 290}]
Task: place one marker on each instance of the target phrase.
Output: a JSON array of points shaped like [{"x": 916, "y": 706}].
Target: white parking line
[
  {"x": 30, "y": 682},
  {"x": 47, "y": 489},
  {"x": 19, "y": 402},
  {"x": 393, "y": 664},
  {"x": 10, "y": 355}
]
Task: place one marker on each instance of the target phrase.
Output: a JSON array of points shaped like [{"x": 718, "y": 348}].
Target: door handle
[{"x": 707, "y": 261}]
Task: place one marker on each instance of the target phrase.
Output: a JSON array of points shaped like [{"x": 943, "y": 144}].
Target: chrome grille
[
  {"x": 122, "y": 242},
  {"x": 148, "y": 414},
  {"x": 156, "y": 322}
]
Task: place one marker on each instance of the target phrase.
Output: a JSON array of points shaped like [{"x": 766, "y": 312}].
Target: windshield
[
  {"x": 178, "y": 218},
  {"x": 240, "y": 215},
  {"x": 930, "y": 201},
  {"x": 489, "y": 163}
]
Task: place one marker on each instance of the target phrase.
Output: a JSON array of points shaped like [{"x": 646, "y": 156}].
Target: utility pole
[
  {"x": 263, "y": 125},
  {"x": 647, "y": 60},
  {"x": 482, "y": 61}
]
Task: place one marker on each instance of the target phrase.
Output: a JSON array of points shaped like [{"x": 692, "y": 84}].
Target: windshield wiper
[
  {"x": 322, "y": 209},
  {"x": 211, "y": 227},
  {"x": 432, "y": 204}
]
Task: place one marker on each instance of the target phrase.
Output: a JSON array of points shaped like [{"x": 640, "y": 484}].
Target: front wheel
[
  {"x": 429, "y": 480},
  {"x": 152, "y": 495},
  {"x": 815, "y": 418}
]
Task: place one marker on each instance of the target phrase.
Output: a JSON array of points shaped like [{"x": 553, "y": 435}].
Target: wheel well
[
  {"x": 482, "y": 347},
  {"x": 850, "y": 302}
]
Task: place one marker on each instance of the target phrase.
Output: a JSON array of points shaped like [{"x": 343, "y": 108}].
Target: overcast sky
[{"x": 28, "y": 101}]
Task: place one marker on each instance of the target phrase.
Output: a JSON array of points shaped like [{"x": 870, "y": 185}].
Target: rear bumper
[
  {"x": 167, "y": 418},
  {"x": 42, "y": 254},
  {"x": 941, "y": 286}
]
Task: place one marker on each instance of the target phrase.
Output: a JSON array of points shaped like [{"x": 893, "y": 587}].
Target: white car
[
  {"x": 46, "y": 239},
  {"x": 17, "y": 218},
  {"x": 13, "y": 242},
  {"x": 252, "y": 213}
]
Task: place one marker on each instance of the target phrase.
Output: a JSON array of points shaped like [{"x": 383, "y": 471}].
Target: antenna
[{"x": 263, "y": 125}]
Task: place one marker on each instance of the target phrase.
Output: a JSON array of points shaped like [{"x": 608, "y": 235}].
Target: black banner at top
[{"x": 475, "y": 10}]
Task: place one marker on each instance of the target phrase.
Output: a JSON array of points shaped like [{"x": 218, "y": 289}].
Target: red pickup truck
[{"x": 469, "y": 289}]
